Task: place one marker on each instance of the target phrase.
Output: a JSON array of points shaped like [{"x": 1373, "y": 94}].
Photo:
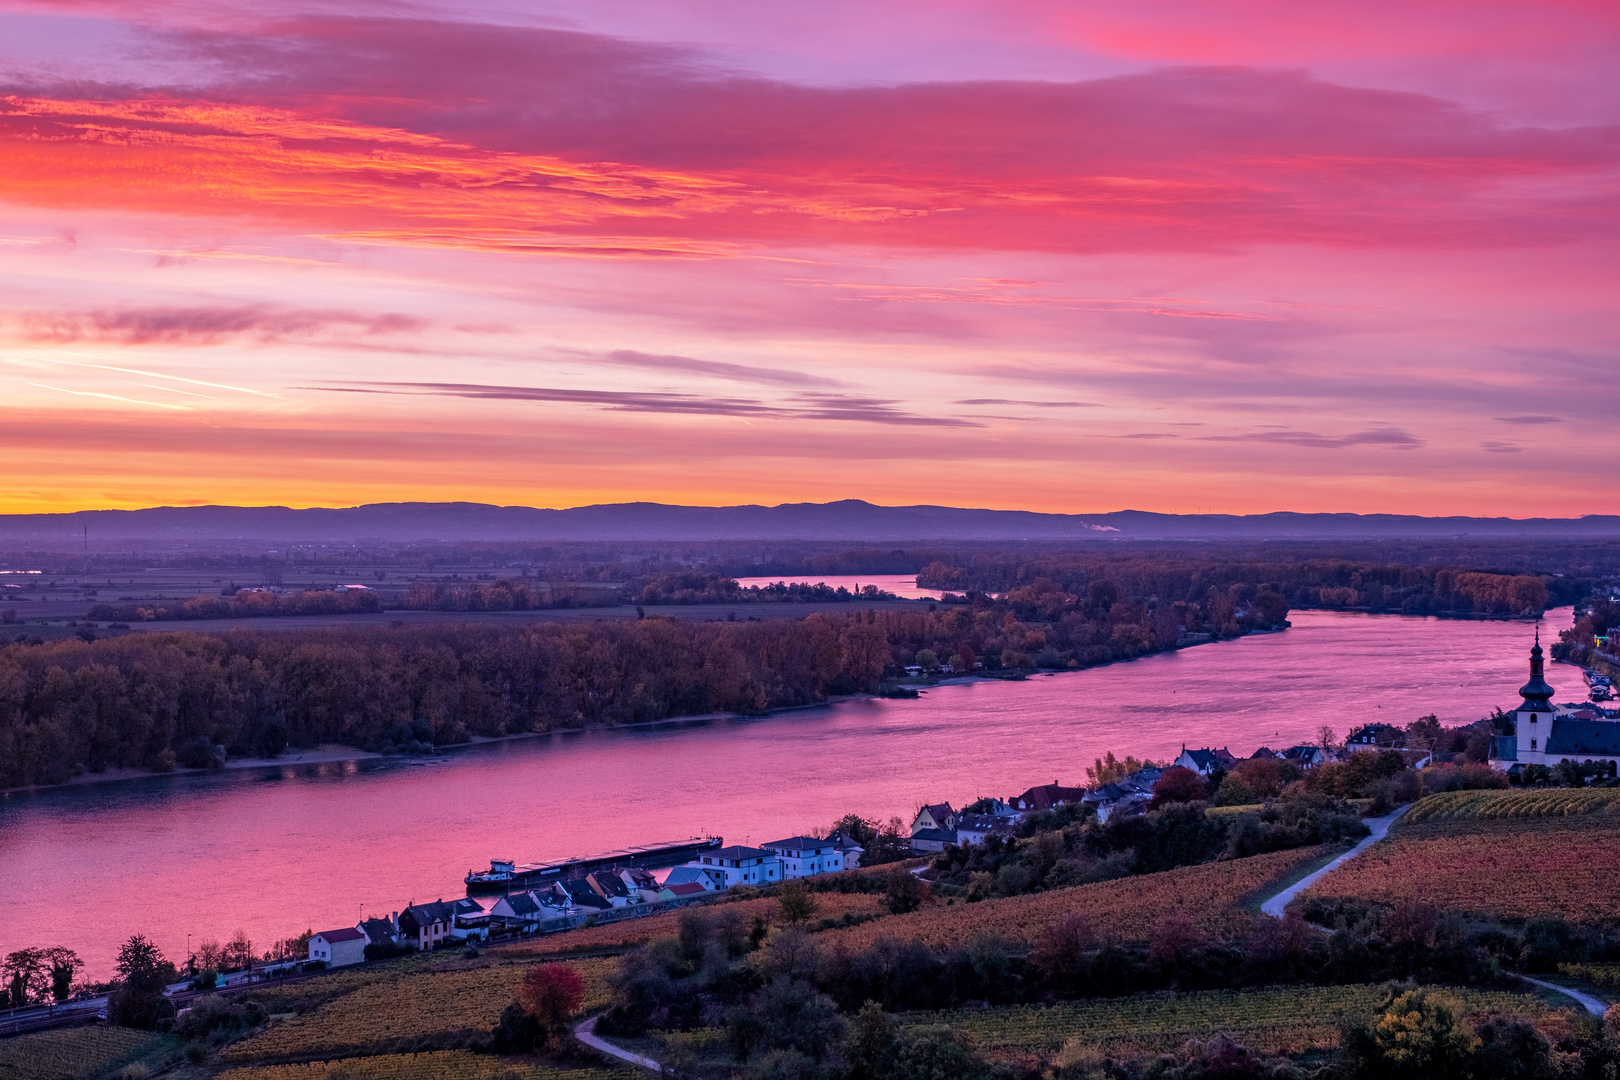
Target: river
[{"x": 274, "y": 851}]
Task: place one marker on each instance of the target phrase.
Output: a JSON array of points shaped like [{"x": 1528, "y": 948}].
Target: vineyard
[
  {"x": 1291, "y": 1021},
  {"x": 1516, "y": 868},
  {"x": 632, "y": 932},
  {"x": 434, "y": 1065},
  {"x": 408, "y": 1010},
  {"x": 1549, "y": 802},
  {"x": 72, "y": 1053},
  {"x": 1211, "y": 896},
  {"x": 1605, "y": 975}
]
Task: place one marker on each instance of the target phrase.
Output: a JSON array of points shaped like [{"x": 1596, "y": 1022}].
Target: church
[{"x": 1545, "y": 734}]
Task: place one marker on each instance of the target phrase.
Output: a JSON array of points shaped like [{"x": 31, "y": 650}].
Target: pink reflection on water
[{"x": 276, "y": 851}]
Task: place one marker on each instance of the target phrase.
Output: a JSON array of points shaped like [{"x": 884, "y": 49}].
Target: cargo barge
[{"x": 504, "y": 875}]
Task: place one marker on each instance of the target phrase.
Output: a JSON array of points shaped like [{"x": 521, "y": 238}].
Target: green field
[
  {"x": 74, "y": 1053},
  {"x": 1550, "y": 802}
]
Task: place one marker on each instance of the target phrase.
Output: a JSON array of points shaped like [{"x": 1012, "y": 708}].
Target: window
[{"x": 1532, "y": 744}]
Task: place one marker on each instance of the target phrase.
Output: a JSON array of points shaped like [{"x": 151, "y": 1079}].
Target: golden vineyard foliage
[
  {"x": 70, "y": 1053},
  {"x": 1547, "y": 802},
  {"x": 1517, "y": 868},
  {"x": 1211, "y": 896},
  {"x": 1289, "y": 1020},
  {"x": 409, "y": 1007},
  {"x": 637, "y": 931},
  {"x": 432, "y": 1065},
  {"x": 1604, "y": 975}
]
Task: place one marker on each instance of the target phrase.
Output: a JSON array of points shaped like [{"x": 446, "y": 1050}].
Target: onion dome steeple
[{"x": 1536, "y": 693}]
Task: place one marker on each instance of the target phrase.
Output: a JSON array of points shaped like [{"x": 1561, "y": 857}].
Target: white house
[
  {"x": 977, "y": 828},
  {"x": 707, "y": 877},
  {"x": 644, "y": 888},
  {"x": 1546, "y": 734},
  {"x": 338, "y": 948},
  {"x": 807, "y": 856},
  {"x": 1206, "y": 761},
  {"x": 938, "y": 816},
  {"x": 738, "y": 865}
]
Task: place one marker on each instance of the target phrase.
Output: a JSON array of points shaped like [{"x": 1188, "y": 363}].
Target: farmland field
[
  {"x": 632, "y": 932},
  {"x": 1274, "y": 1021},
  {"x": 1211, "y": 896},
  {"x": 408, "y": 1010},
  {"x": 1550, "y": 802},
  {"x": 1516, "y": 868},
  {"x": 71, "y": 1053},
  {"x": 434, "y": 1065}
]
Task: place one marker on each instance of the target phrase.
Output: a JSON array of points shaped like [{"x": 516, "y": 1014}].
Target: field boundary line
[{"x": 1378, "y": 828}]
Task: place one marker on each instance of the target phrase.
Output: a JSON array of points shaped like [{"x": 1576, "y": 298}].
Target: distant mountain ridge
[{"x": 848, "y": 520}]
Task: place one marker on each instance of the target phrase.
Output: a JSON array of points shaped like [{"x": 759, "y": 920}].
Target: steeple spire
[{"x": 1536, "y": 693}]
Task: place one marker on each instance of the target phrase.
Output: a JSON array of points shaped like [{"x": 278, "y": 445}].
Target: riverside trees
[{"x": 154, "y": 700}]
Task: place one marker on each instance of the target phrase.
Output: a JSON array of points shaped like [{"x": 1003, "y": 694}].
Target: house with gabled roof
[
  {"x": 520, "y": 911},
  {"x": 708, "y": 877},
  {"x": 1046, "y": 797},
  {"x": 682, "y": 890},
  {"x": 1306, "y": 755},
  {"x": 1206, "y": 761},
  {"x": 583, "y": 895},
  {"x": 427, "y": 926},
  {"x": 611, "y": 887},
  {"x": 338, "y": 948},
  {"x": 381, "y": 931},
  {"x": 977, "y": 828},
  {"x": 849, "y": 851},
  {"x": 1376, "y": 735},
  {"x": 933, "y": 816}
]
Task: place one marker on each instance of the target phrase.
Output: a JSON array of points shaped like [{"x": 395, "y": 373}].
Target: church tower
[{"x": 1533, "y": 719}]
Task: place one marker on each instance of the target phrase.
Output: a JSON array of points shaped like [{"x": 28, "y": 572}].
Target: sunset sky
[{"x": 1234, "y": 256}]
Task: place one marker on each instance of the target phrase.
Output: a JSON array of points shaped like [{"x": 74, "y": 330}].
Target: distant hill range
[{"x": 850, "y": 520}]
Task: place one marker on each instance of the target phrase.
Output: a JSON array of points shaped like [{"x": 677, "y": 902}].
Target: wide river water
[{"x": 274, "y": 851}]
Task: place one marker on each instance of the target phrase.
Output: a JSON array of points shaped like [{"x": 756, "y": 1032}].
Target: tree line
[
  {"x": 159, "y": 701},
  {"x": 1333, "y": 583}
]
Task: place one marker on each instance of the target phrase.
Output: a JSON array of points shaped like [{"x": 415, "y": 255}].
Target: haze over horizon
[{"x": 1179, "y": 256}]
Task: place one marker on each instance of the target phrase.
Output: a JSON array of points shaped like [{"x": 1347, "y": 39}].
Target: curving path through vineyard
[
  {"x": 586, "y": 1033},
  {"x": 1378, "y": 828}
]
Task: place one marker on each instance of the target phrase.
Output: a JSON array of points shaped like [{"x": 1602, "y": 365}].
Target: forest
[{"x": 158, "y": 700}]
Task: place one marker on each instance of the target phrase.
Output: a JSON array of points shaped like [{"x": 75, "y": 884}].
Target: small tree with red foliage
[
  {"x": 1178, "y": 784},
  {"x": 551, "y": 993}
]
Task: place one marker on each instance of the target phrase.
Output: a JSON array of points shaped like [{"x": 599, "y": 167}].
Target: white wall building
[
  {"x": 1546, "y": 734},
  {"x": 338, "y": 948},
  {"x": 738, "y": 865},
  {"x": 806, "y": 856}
]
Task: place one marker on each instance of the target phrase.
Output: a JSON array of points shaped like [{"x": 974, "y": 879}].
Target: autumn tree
[
  {"x": 1178, "y": 784},
  {"x": 796, "y": 900},
  {"x": 551, "y": 993}
]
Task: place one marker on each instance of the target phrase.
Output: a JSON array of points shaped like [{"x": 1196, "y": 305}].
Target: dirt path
[
  {"x": 586, "y": 1033},
  {"x": 1588, "y": 1002},
  {"x": 1379, "y": 827}
]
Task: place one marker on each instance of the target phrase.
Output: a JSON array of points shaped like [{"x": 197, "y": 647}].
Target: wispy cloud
[
  {"x": 1532, "y": 419},
  {"x": 200, "y": 325},
  {"x": 1391, "y": 437},
  {"x": 1501, "y": 447},
  {"x": 718, "y": 368},
  {"x": 804, "y": 406},
  {"x": 1031, "y": 404}
]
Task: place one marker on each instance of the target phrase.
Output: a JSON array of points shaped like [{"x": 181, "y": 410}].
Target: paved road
[
  {"x": 586, "y": 1033},
  {"x": 1588, "y": 1002},
  {"x": 1379, "y": 827}
]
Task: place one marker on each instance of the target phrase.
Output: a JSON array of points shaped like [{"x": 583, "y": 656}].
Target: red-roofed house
[
  {"x": 338, "y": 948},
  {"x": 684, "y": 890}
]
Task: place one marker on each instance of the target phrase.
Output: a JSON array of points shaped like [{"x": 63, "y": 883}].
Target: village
[{"x": 599, "y": 889}]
